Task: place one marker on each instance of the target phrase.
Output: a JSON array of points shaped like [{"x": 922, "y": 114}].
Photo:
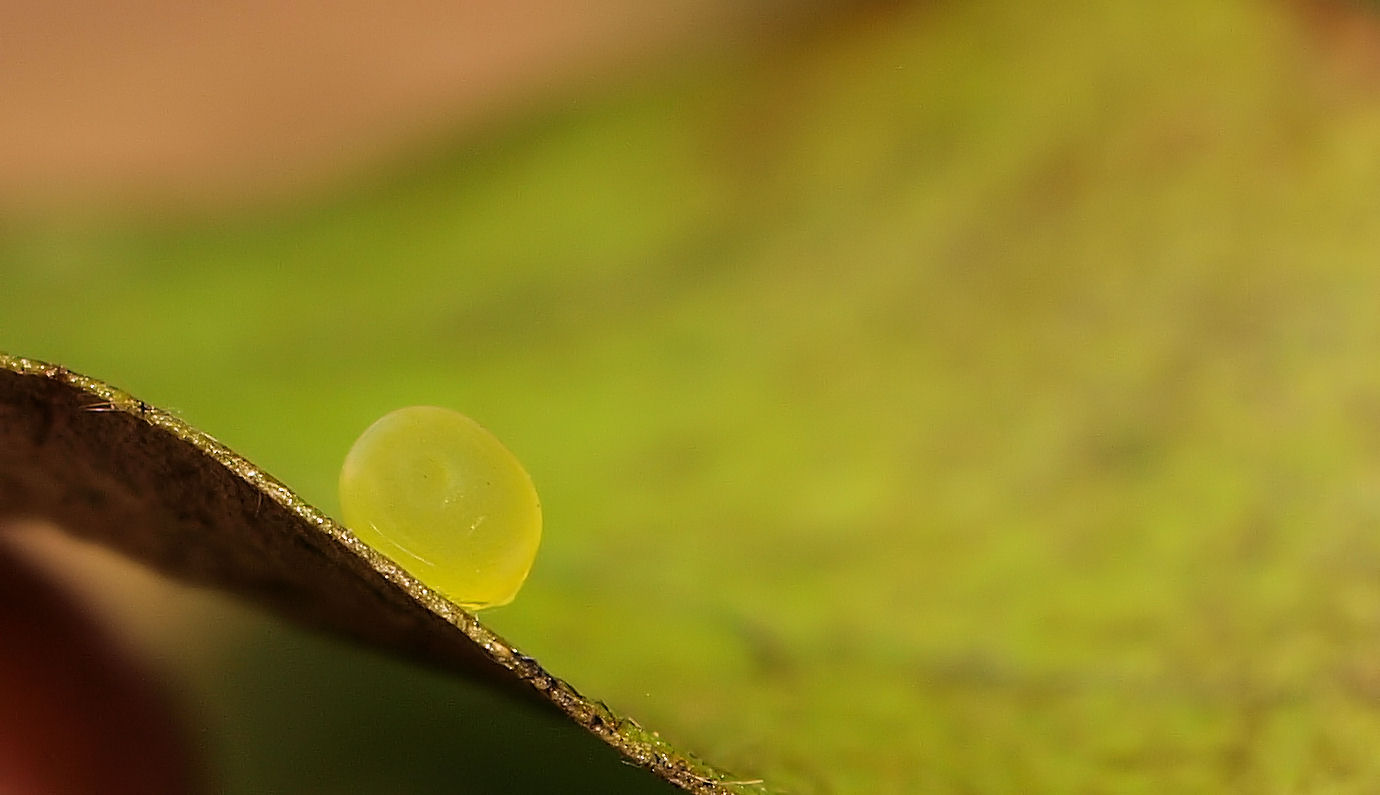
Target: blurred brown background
[{"x": 173, "y": 101}]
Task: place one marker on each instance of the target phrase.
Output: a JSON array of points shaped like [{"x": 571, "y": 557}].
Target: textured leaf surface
[{"x": 112, "y": 468}]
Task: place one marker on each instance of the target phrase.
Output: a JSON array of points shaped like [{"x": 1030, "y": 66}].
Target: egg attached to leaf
[{"x": 438, "y": 494}]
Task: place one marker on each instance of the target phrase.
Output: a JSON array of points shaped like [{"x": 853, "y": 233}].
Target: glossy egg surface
[{"x": 434, "y": 491}]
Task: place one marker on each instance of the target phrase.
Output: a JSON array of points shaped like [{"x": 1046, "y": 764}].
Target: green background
[{"x": 982, "y": 397}]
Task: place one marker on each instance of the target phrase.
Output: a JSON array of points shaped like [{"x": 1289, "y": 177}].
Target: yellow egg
[{"x": 438, "y": 494}]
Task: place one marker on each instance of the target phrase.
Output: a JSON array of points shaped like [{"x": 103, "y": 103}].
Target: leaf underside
[{"x": 108, "y": 467}]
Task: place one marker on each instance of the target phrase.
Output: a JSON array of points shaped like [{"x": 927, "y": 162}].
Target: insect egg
[{"x": 444, "y": 499}]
